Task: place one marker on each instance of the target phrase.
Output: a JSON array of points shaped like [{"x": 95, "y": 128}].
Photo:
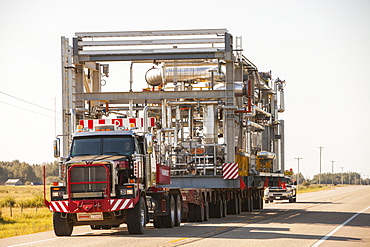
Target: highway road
[{"x": 337, "y": 217}]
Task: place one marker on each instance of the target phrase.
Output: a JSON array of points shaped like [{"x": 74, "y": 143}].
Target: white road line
[
  {"x": 337, "y": 228},
  {"x": 44, "y": 240}
]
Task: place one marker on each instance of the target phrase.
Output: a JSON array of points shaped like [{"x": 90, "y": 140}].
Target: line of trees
[
  {"x": 336, "y": 178},
  {"x": 27, "y": 173}
]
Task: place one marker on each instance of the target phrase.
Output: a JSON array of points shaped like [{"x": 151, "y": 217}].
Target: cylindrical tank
[
  {"x": 239, "y": 88},
  {"x": 156, "y": 76}
]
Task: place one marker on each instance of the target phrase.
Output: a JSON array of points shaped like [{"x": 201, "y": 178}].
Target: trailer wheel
[
  {"x": 224, "y": 212},
  {"x": 178, "y": 209},
  {"x": 212, "y": 207},
  {"x": 196, "y": 213},
  {"x": 169, "y": 220},
  {"x": 250, "y": 204},
  {"x": 136, "y": 218},
  {"x": 62, "y": 226},
  {"x": 206, "y": 212},
  {"x": 157, "y": 222},
  {"x": 232, "y": 206},
  {"x": 218, "y": 209}
]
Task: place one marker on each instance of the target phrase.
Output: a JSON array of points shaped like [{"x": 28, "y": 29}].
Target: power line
[
  {"x": 26, "y": 102},
  {"x": 27, "y": 110}
]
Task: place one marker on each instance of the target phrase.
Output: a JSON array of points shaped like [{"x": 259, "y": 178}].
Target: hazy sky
[{"x": 321, "y": 48}]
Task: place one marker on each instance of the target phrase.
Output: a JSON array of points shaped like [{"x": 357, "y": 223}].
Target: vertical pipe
[
  {"x": 131, "y": 76},
  {"x": 282, "y": 146}
]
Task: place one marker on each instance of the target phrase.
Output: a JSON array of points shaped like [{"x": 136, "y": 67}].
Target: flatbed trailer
[{"x": 205, "y": 137}]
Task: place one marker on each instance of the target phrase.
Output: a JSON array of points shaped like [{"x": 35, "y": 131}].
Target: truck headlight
[
  {"x": 57, "y": 193},
  {"x": 125, "y": 192}
]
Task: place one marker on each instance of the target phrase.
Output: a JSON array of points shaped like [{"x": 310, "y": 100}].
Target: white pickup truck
[{"x": 286, "y": 192}]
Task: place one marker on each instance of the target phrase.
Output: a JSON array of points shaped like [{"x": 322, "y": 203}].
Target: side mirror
[{"x": 57, "y": 148}]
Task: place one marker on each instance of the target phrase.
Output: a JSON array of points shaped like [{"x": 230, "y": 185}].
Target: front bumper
[{"x": 278, "y": 196}]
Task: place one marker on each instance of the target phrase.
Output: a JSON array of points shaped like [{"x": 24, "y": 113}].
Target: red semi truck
[{"x": 202, "y": 140}]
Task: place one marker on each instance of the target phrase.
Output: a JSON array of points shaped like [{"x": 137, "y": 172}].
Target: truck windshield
[{"x": 104, "y": 145}]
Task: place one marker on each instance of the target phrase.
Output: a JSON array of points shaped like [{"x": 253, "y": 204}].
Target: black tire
[
  {"x": 233, "y": 207},
  {"x": 212, "y": 207},
  {"x": 206, "y": 211},
  {"x": 224, "y": 214},
  {"x": 196, "y": 213},
  {"x": 178, "y": 209},
  {"x": 261, "y": 202},
  {"x": 136, "y": 218},
  {"x": 62, "y": 226},
  {"x": 169, "y": 220},
  {"x": 219, "y": 209},
  {"x": 266, "y": 201},
  {"x": 244, "y": 205},
  {"x": 251, "y": 204},
  {"x": 158, "y": 222}
]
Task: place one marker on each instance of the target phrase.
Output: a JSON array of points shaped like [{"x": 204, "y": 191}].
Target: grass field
[{"x": 23, "y": 220}]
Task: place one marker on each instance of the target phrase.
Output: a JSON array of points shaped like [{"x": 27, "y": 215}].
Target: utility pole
[
  {"x": 321, "y": 148},
  {"x": 332, "y": 172},
  {"x": 342, "y": 173},
  {"x": 298, "y": 172}
]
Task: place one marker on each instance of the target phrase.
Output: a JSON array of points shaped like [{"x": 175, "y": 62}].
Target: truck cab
[{"x": 102, "y": 177}]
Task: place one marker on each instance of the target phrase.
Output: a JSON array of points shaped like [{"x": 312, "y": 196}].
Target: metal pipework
[
  {"x": 145, "y": 112},
  {"x": 256, "y": 125},
  {"x": 238, "y": 88},
  {"x": 203, "y": 102},
  {"x": 262, "y": 111}
]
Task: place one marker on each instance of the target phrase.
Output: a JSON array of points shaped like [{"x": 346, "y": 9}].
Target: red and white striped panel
[
  {"x": 120, "y": 204},
  {"x": 59, "y": 206},
  {"x": 120, "y": 122},
  {"x": 230, "y": 171}
]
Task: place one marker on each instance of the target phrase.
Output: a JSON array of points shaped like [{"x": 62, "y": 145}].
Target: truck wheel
[
  {"x": 178, "y": 209},
  {"x": 136, "y": 218},
  {"x": 169, "y": 220},
  {"x": 266, "y": 201},
  {"x": 62, "y": 226}
]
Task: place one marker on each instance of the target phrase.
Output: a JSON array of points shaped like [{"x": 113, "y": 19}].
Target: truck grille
[{"x": 88, "y": 181}]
